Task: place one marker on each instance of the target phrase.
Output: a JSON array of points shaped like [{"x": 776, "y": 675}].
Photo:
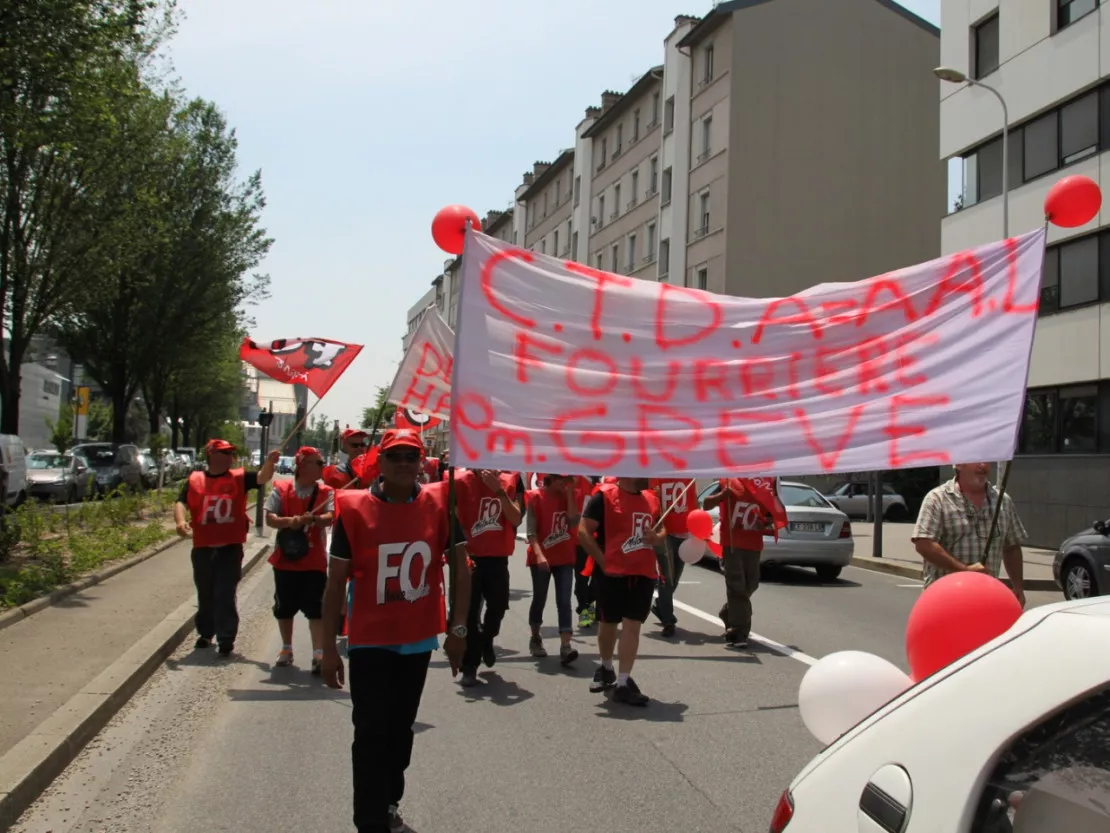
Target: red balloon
[
  {"x": 699, "y": 524},
  {"x": 1073, "y": 201},
  {"x": 955, "y": 615},
  {"x": 449, "y": 227}
]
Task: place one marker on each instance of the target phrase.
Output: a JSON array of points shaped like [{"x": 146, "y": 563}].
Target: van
[{"x": 13, "y": 470}]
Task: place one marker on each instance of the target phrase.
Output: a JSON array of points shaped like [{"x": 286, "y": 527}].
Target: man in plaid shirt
[{"x": 955, "y": 521}]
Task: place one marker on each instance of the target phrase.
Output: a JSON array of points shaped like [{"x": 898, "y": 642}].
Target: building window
[
  {"x": 574, "y": 246},
  {"x": 1079, "y": 129},
  {"x": 985, "y": 40},
  {"x": 567, "y": 250},
  {"x": 668, "y": 115},
  {"x": 620, "y": 141},
  {"x": 1072, "y": 273},
  {"x": 706, "y": 138},
  {"x": 577, "y": 190},
  {"x": 615, "y": 258},
  {"x": 558, "y": 190},
  {"x": 636, "y": 126},
  {"x": 654, "y": 108},
  {"x": 632, "y": 253},
  {"x": 702, "y": 279},
  {"x": 1069, "y": 11},
  {"x": 601, "y": 211},
  {"x": 616, "y": 200},
  {"x": 664, "y": 255},
  {"x": 707, "y": 65},
  {"x": 600, "y": 261},
  {"x": 1070, "y": 419},
  {"x": 543, "y": 246},
  {"x": 649, "y": 244},
  {"x": 666, "y": 185},
  {"x": 703, "y": 214},
  {"x": 604, "y": 152},
  {"x": 653, "y": 184},
  {"x": 544, "y": 203},
  {"x": 635, "y": 189},
  {"x": 555, "y": 243}
]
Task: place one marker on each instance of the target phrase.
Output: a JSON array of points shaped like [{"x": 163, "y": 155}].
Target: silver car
[
  {"x": 61, "y": 478},
  {"x": 818, "y": 535}
]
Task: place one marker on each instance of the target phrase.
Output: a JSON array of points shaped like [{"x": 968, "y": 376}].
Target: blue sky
[{"x": 366, "y": 118}]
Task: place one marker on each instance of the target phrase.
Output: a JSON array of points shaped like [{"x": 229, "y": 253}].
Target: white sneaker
[{"x": 535, "y": 647}]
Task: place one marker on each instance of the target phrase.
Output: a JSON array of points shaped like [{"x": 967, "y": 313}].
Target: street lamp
[{"x": 954, "y": 76}]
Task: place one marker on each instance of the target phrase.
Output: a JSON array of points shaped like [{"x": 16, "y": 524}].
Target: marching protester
[
  {"x": 552, "y": 539},
  {"x": 673, "y": 495},
  {"x": 954, "y": 524},
  {"x": 389, "y": 541},
  {"x": 355, "y": 442},
  {"x": 212, "y": 509},
  {"x": 742, "y": 524},
  {"x": 616, "y": 530},
  {"x": 300, "y": 509},
  {"x": 585, "y": 604},
  {"x": 489, "y": 506}
]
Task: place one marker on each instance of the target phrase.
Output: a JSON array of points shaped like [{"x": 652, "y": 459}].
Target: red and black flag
[{"x": 316, "y": 363}]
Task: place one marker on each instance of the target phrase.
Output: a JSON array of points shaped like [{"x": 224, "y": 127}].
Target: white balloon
[
  {"x": 692, "y": 550},
  {"x": 844, "y": 688}
]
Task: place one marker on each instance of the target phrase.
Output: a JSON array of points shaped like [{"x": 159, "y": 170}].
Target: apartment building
[
  {"x": 624, "y": 178},
  {"x": 546, "y": 199},
  {"x": 1049, "y": 59}
]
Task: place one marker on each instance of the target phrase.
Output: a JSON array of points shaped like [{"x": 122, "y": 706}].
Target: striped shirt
[{"x": 961, "y": 528}]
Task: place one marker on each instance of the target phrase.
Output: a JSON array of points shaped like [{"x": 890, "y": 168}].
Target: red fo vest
[
  {"x": 396, "y": 566},
  {"x": 741, "y": 521},
  {"x": 317, "y": 558},
  {"x": 558, "y": 537},
  {"x": 218, "y": 507},
  {"x": 337, "y": 476},
  {"x": 627, "y": 516},
  {"x": 479, "y": 510},
  {"x": 672, "y": 492}
]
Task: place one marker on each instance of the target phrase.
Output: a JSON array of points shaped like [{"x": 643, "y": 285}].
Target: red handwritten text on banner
[
  {"x": 423, "y": 381},
  {"x": 569, "y": 368}
]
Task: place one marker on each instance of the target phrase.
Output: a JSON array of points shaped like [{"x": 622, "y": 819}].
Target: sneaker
[
  {"x": 226, "y": 648},
  {"x": 734, "y": 639},
  {"x": 535, "y": 647},
  {"x": 396, "y": 823},
  {"x": 585, "y": 620},
  {"x": 468, "y": 679},
  {"x": 284, "y": 658},
  {"x": 202, "y": 643},
  {"x": 567, "y": 654},
  {"x": 668, "y": 629},
  {"x": 630, "y": 694},
  {"x": 604, "y": 679},
  {"x": 317, "y": 661},
  {"x": 489, "y": 654}
]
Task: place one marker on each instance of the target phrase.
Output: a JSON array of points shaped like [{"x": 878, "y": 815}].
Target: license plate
[{"x": 806, "y": 527}]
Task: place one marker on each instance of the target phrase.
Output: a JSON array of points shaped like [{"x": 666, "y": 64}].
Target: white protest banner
[
  {"x": 422, "y": 385},
  {"x": 562, "y": 367}
]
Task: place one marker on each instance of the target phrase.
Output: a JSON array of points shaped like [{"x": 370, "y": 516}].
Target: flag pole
[
  {"x": 299, "y": 425},
  {"x": 452, "y": 498}
]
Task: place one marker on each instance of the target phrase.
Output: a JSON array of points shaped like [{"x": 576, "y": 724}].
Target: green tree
[
  {"x": 318, "y": 432},
  {"x": 64, "y": 64},
  {"x": 380, "y": 414},
  {"x": 205, "y": 392},
  {"x": 61, "y": 431}
]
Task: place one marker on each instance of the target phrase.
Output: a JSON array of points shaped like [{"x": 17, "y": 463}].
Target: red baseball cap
[
  {"x": 218, "y": 445},
  {"x": 305, "y": 451},
  {"x": 401, "y": 437},
  {"x": 353, "y": 432}
]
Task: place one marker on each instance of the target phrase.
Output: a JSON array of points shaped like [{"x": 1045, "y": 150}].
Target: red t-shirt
[{"x": 742, "y": 520}]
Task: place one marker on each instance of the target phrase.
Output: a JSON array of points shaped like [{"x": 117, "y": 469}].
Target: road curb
[
  {"x": 31, "y": 766},
  {"x": 1030, "y": 585},
  {"x": 18, "y": 614}
]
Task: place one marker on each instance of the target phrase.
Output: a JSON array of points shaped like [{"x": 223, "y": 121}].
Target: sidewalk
[
  {"x": 900, "y": 557},
  {"x": 76, "y": 663}
]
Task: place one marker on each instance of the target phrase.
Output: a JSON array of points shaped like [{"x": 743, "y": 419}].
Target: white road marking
[
  {"x": 777, "y": 647},
  {"x": 909, "y": 585}
]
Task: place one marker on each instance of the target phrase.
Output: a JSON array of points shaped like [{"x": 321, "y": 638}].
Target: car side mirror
[
  {"x": 1100, "y": 527},
  {"x": 81, "y": 469}
]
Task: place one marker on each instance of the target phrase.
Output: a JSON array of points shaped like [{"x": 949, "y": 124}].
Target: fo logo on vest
[
  {"x": 395, "y": 582},
  {"x": 489, "y": 516},
  {"x": 641, "y": 523},
  {"x": 748, "y": 514},
  {"x": 675, "y": 494},
  {"x": 559, "y": 529},
  {"x": 216, "y": 509}
]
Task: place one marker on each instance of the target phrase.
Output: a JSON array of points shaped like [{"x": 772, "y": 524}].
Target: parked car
[
  {"x": 818, "y": 535},
  {"x": 13, "y": 470},
  {"x": 284, "y": 465},
  {"x": 853, "y": 498},
  {"x": 148, "y": 466},
  {"x": 1082, "y": 564},
  {"x": 1037, "y": 763},
  {"x": 59, "y": 478},
  {"x": 115, "y": 465}
]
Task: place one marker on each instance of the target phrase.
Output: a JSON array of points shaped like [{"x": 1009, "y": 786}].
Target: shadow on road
[
  {"x": 497, "y": 690},
  {"x": 288, "y": 685},
  {"x": 654, "y": 712},
  {"x": 209, "y": 658}
]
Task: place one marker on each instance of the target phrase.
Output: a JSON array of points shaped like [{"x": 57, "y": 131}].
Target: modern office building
[{"x": 1049, "y": 60}]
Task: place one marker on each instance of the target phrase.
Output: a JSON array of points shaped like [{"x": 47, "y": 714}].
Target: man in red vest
[
  {"x": 300, "y": 509},
  {"x": 743, "y": 520},
  {"x": 677, "y": 495},
  {"x": 490, "y": 506},
  {"x": 216, "y": 502},
  {"x": 617, "y": 531},
  {"x": 355, "y": 442},
  {"x": 389, "y": 541}
]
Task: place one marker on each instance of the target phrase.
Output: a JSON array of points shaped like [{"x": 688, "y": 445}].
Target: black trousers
[
  {"x": 489, "y": 582},
  {"x": 386, "y": 688},
  {"x": 216, "y": 574},
  {"x": 583, "y": 585}
]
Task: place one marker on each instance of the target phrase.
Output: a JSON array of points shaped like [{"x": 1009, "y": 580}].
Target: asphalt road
[{"x": 209, "y": 746}]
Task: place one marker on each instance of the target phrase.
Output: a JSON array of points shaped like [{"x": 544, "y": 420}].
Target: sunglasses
[
  {"x": 402, "y": 456},
  {"x": 357, "y": 445}
]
